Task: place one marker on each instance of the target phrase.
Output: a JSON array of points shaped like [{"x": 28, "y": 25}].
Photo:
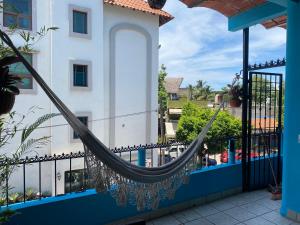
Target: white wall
[
  {"x": 131, "y": 57},
  {"x": 66, "y": 48},
  {"x": 24, "y": 102}
]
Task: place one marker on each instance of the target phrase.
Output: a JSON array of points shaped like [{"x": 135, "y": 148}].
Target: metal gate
[{"x": 264, "y": 133}]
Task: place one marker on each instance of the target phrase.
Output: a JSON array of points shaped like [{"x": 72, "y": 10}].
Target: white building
[{"x": 103, "y": 64}]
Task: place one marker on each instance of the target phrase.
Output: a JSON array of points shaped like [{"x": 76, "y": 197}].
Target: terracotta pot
[
  {"x": 157, "y": 4},
  {"x": 235, "y": 103},
  {"x": 7, "y": 102}
]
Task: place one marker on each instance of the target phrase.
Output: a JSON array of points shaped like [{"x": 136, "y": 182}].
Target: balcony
[{"x": 212, "y": 196}]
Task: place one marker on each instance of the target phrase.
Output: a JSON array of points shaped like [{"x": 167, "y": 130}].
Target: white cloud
[{"x": 197, "y": 45}]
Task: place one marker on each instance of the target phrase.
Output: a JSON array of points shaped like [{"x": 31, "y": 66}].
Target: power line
[{"x": 100, "y": 119}]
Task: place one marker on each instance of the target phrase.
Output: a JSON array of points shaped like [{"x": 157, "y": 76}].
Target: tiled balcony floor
[{"x": 254, "y": 208}]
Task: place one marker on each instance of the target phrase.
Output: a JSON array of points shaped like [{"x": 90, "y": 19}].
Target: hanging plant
[
  {"x": 235, "y": 94},
  {"x": 157, "y": 4},
  {"x": 8, "y": 88}
]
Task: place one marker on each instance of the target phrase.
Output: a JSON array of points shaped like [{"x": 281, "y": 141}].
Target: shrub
[{"x": 194, "y": 119}]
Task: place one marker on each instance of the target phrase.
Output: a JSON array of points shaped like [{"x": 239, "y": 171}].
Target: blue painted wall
[
  {"x": 89, "y": 208},
  {"x": 291, "y": 171}
]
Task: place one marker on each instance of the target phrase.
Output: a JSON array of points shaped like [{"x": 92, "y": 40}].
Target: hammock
[{"x": 127, "y": 183}]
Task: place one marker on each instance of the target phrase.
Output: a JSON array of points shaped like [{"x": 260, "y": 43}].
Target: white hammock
[{"x": 126, "y": 182}]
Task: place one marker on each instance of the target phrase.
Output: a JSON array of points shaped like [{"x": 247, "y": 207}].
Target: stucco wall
[
  {"x": 131, "y": 76},
  {"x": 133, "y": 70}
]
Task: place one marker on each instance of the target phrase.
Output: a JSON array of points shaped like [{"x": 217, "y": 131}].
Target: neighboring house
[
  {"x": 102, "y": 63},
  {"x": 175, "y": 92},
  {"x": 184, "y": 92},
  {"x": 172, "y": 85}
]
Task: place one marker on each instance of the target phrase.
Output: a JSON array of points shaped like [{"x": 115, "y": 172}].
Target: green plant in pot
[
  {"x": 235, "y": 95},
  {"x": 234, "y": 92},
  {"x": 8, "y": 85},
  {"x": 157, "y": 4}
]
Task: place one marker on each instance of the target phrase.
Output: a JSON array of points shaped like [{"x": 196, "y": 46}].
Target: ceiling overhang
[{"x": 246, "y": 13}]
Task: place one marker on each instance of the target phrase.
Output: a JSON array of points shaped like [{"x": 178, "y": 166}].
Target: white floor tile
[
  {"x": 258, "y": 221},
  {"x": 206, "y": 210},
  {"x": 240, "y": 214},
  {"x": 256, "y": 208},
  {"x": 222, "y": 205},
  {"x": 187, "y": 216},
  {"x": 269, "y": 203},
  {"x": 199, "y": 222},
  {"x": 222, "y": 219},
  {"x": 277, "y": 218}
]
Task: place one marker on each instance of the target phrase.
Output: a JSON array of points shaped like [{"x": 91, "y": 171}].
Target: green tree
[
  {"x": 190, "y": 92},
  {"x": 202, "y": 90},
  {"x": 9, "y": 128},
  {"x": 194, "y": 119},
  {"x": 162, "y": 98}
]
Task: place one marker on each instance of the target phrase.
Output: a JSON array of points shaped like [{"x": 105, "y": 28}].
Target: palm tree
[
  {"x": 202, "y": 90},
  {"x": 8, "y": 131},
  {"x": 190, "y": 92}
]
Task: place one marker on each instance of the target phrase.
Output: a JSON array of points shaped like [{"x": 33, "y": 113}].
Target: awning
[{"x": 232, "y": 8}]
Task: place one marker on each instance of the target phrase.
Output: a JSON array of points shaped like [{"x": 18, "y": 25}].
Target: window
[
  {"x": 80, "y": 75},
  {"x": 17, "y": 13},
  {"x": 80, "y": 21},
  {"x": 20, "y": 70},
  {"x": 76, "y": 180},
  {"x": 84, "y": 120}
]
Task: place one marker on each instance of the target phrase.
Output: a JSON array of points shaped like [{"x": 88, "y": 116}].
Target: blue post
[
  {"x": 291, "y": 141},
  {"x": 231, "y": 151},
  {"x": 142, "y": 157}
]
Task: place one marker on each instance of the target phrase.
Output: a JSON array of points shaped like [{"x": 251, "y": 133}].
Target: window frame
[
  {"x": 34, "y": 84},
  {"x": 88, "y": 11},
  {"x": 33, "y": 17},
  {"x": 89, "y": 125},
  {"x": 89, "y": 75},
  {"x": 84, "y": 181}
]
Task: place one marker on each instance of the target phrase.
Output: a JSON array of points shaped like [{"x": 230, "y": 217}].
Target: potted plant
[
  {"x": 157, "y": 4},
  {"x": 8, "y": 88},
  {"x": 235, "y": 95}
]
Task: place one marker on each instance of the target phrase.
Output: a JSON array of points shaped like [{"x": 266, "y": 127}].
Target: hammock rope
[{"x": 127, "y": 183}]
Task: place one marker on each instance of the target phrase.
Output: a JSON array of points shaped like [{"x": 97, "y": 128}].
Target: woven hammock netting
[{"x": 127, "y": 183}]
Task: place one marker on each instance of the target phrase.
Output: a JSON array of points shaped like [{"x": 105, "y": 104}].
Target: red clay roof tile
[{"x": 142, "y": 6}]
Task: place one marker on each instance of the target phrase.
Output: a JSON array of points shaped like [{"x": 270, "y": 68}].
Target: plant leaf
[{"x": 28, "y": 130}]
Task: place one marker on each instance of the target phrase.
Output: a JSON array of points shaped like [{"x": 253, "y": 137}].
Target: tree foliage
[
  {"x": 162, "y": 92},
  {"x": 201, "y": 91},
  {"x": 162, "y": 98},
  {"x": 194, "y": 118},
  {"x": 9, "y": 128}
]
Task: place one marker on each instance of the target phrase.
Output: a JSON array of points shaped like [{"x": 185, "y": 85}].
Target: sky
[{"x": 196, "y": 45}]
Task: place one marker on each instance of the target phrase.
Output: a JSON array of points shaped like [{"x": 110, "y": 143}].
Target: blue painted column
[
  {"x": 142, "y": 157},
  {"x": 291, "y": 142},
  {"x": 231, "y": 151}
]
